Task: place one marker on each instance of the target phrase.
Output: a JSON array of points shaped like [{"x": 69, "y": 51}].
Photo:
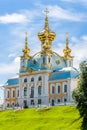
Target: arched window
[
  {"x": 18, "y": 93},
  {"x": 53, "y": 102},
  {"x": 25, "y": 91},
  {"x": 58, "y": 89},
  {"x": 8, "y": 105},
  {"x": 65, "y": 99},
  {"x": 40, "y": 78},
  {"x": 53, "y": 90},
  {"x": 13, "y": 93},
  {"x": 65, "y": 88},
  {"x": 43, "y": 60},
  {"x": 32, "y": 92},
  {"x": 32, "y": 79},
  {"x": 49, "y": 59},
  {"x": 39, "y": 90},
  {"x": 8, "y": 94},
  {"x": 58, "y": 100},
  {"x": 13, "y": 104},
  {"x": 25, "y": 80}
]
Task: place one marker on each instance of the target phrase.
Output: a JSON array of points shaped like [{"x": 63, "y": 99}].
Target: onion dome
[
  {"x": 26, "y": 50},
  {"x": 67, "y": 50},
  {"x": 46, "y": 36}
]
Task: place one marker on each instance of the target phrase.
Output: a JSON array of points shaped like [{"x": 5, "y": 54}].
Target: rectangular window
[
  {"x": 58, "y": 100},
  {"x": 65, "y": 99},
  {"x": 8, "y": 94},
  {"x": 58, "y": 89},
  {"x": 65, "y": 88},
  {"x": 53, "y": 91},
  {"x": 39, "y": 101},
  {"x": 32, "y": 102},
  {"x": 13, "y": 93},
  {"x": 18, "y": 93}
]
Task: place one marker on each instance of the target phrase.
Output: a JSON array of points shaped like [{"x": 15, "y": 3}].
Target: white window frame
[
  {"x": 51, "y": 88},
  {"x": 58, "y": 84},
  {"x": 65, "y": 83}
]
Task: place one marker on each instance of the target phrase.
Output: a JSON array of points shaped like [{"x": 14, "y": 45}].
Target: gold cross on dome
[
  {"x": 26, "y": 33},
  {"x": 67, "y": 33},
  {"x": 46, "y": 11}
]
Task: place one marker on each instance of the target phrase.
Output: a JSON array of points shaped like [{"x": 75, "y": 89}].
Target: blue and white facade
[{"x": 44, "y": 78}]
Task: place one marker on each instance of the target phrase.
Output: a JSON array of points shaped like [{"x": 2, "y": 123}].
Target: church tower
[
  {"x": 26, "y": 56},
  {"x": 46, "y": 36},
  {"x": 67, "y": 53}
]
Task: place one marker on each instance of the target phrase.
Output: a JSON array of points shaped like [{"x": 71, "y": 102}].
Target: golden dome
[
  {"x": 67, "y": 50},
  {"x": 26, "y": 50},
  {"x": 46, "y": 36}
]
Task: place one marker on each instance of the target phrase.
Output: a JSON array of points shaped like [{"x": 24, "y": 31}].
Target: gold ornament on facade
[{"x": 30, "y": 70}]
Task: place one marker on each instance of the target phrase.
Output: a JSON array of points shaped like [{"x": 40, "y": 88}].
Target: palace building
[{"x": 44, "y": 78}]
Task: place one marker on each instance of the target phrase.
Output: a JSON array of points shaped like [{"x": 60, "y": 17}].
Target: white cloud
[
  {"x": 12, "y": 55},
  {"x": 23, "y": 16},
  {"x": 75, "y": 1},
  {"x": 59, "y": 13},
  {"x": 79, "y": 49},
  {"x": 11, "y": 68},
  {"x": 13, "y": 18}
]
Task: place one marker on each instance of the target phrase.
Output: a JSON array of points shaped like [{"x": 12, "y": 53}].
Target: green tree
[{"x": 80, "y": 94}]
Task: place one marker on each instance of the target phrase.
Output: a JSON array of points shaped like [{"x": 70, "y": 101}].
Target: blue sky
[{"x": 18, "y": 17}]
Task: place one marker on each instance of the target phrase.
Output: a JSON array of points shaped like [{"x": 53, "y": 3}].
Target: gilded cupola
[
  {"x": 26, "y": 50},
  {"x": 67, "y": 50},
  {"x": 46, "y": 36}
]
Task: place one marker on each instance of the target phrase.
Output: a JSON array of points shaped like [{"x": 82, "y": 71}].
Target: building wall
[
  {"x": 9, "y": 99},
  {"x": 46, "y": 97},
  {"x": 44, "y": 88},
  {"x": 61, "y": 95}
]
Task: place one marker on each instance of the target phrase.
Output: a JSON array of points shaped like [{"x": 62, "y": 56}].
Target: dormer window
[
  {"x": 49, "y": 59},
  {"x": 34, "y": 62},
  {"x": 43, "y": 60}
]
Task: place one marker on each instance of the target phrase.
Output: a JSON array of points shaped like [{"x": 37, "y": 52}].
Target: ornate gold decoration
[
  {"x": 26, "y": 50},
  {"x": 46, "y": 36},
  {"x": 67, "y": 50},
  {"x": 30, "y": 70}
]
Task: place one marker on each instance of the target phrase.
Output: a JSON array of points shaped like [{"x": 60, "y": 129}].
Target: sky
[{"x": 18, "y": 17}]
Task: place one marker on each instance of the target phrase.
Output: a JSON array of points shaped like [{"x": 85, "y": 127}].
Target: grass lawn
[{"x": 55, "y": 118}]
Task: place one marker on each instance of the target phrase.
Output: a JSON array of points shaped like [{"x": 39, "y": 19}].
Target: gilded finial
[
  {"x": 26, "y": 33},
  {"x": 46, "y": 11},
  {"x": 67, "y": 40},
  {"x": 46, "y": 36},
  {"x": 46, "y": 20},
  {"x": 26, "y": 50},
  {"x": 67, "y": 50},
  {"x": 26, "y": 40}
]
